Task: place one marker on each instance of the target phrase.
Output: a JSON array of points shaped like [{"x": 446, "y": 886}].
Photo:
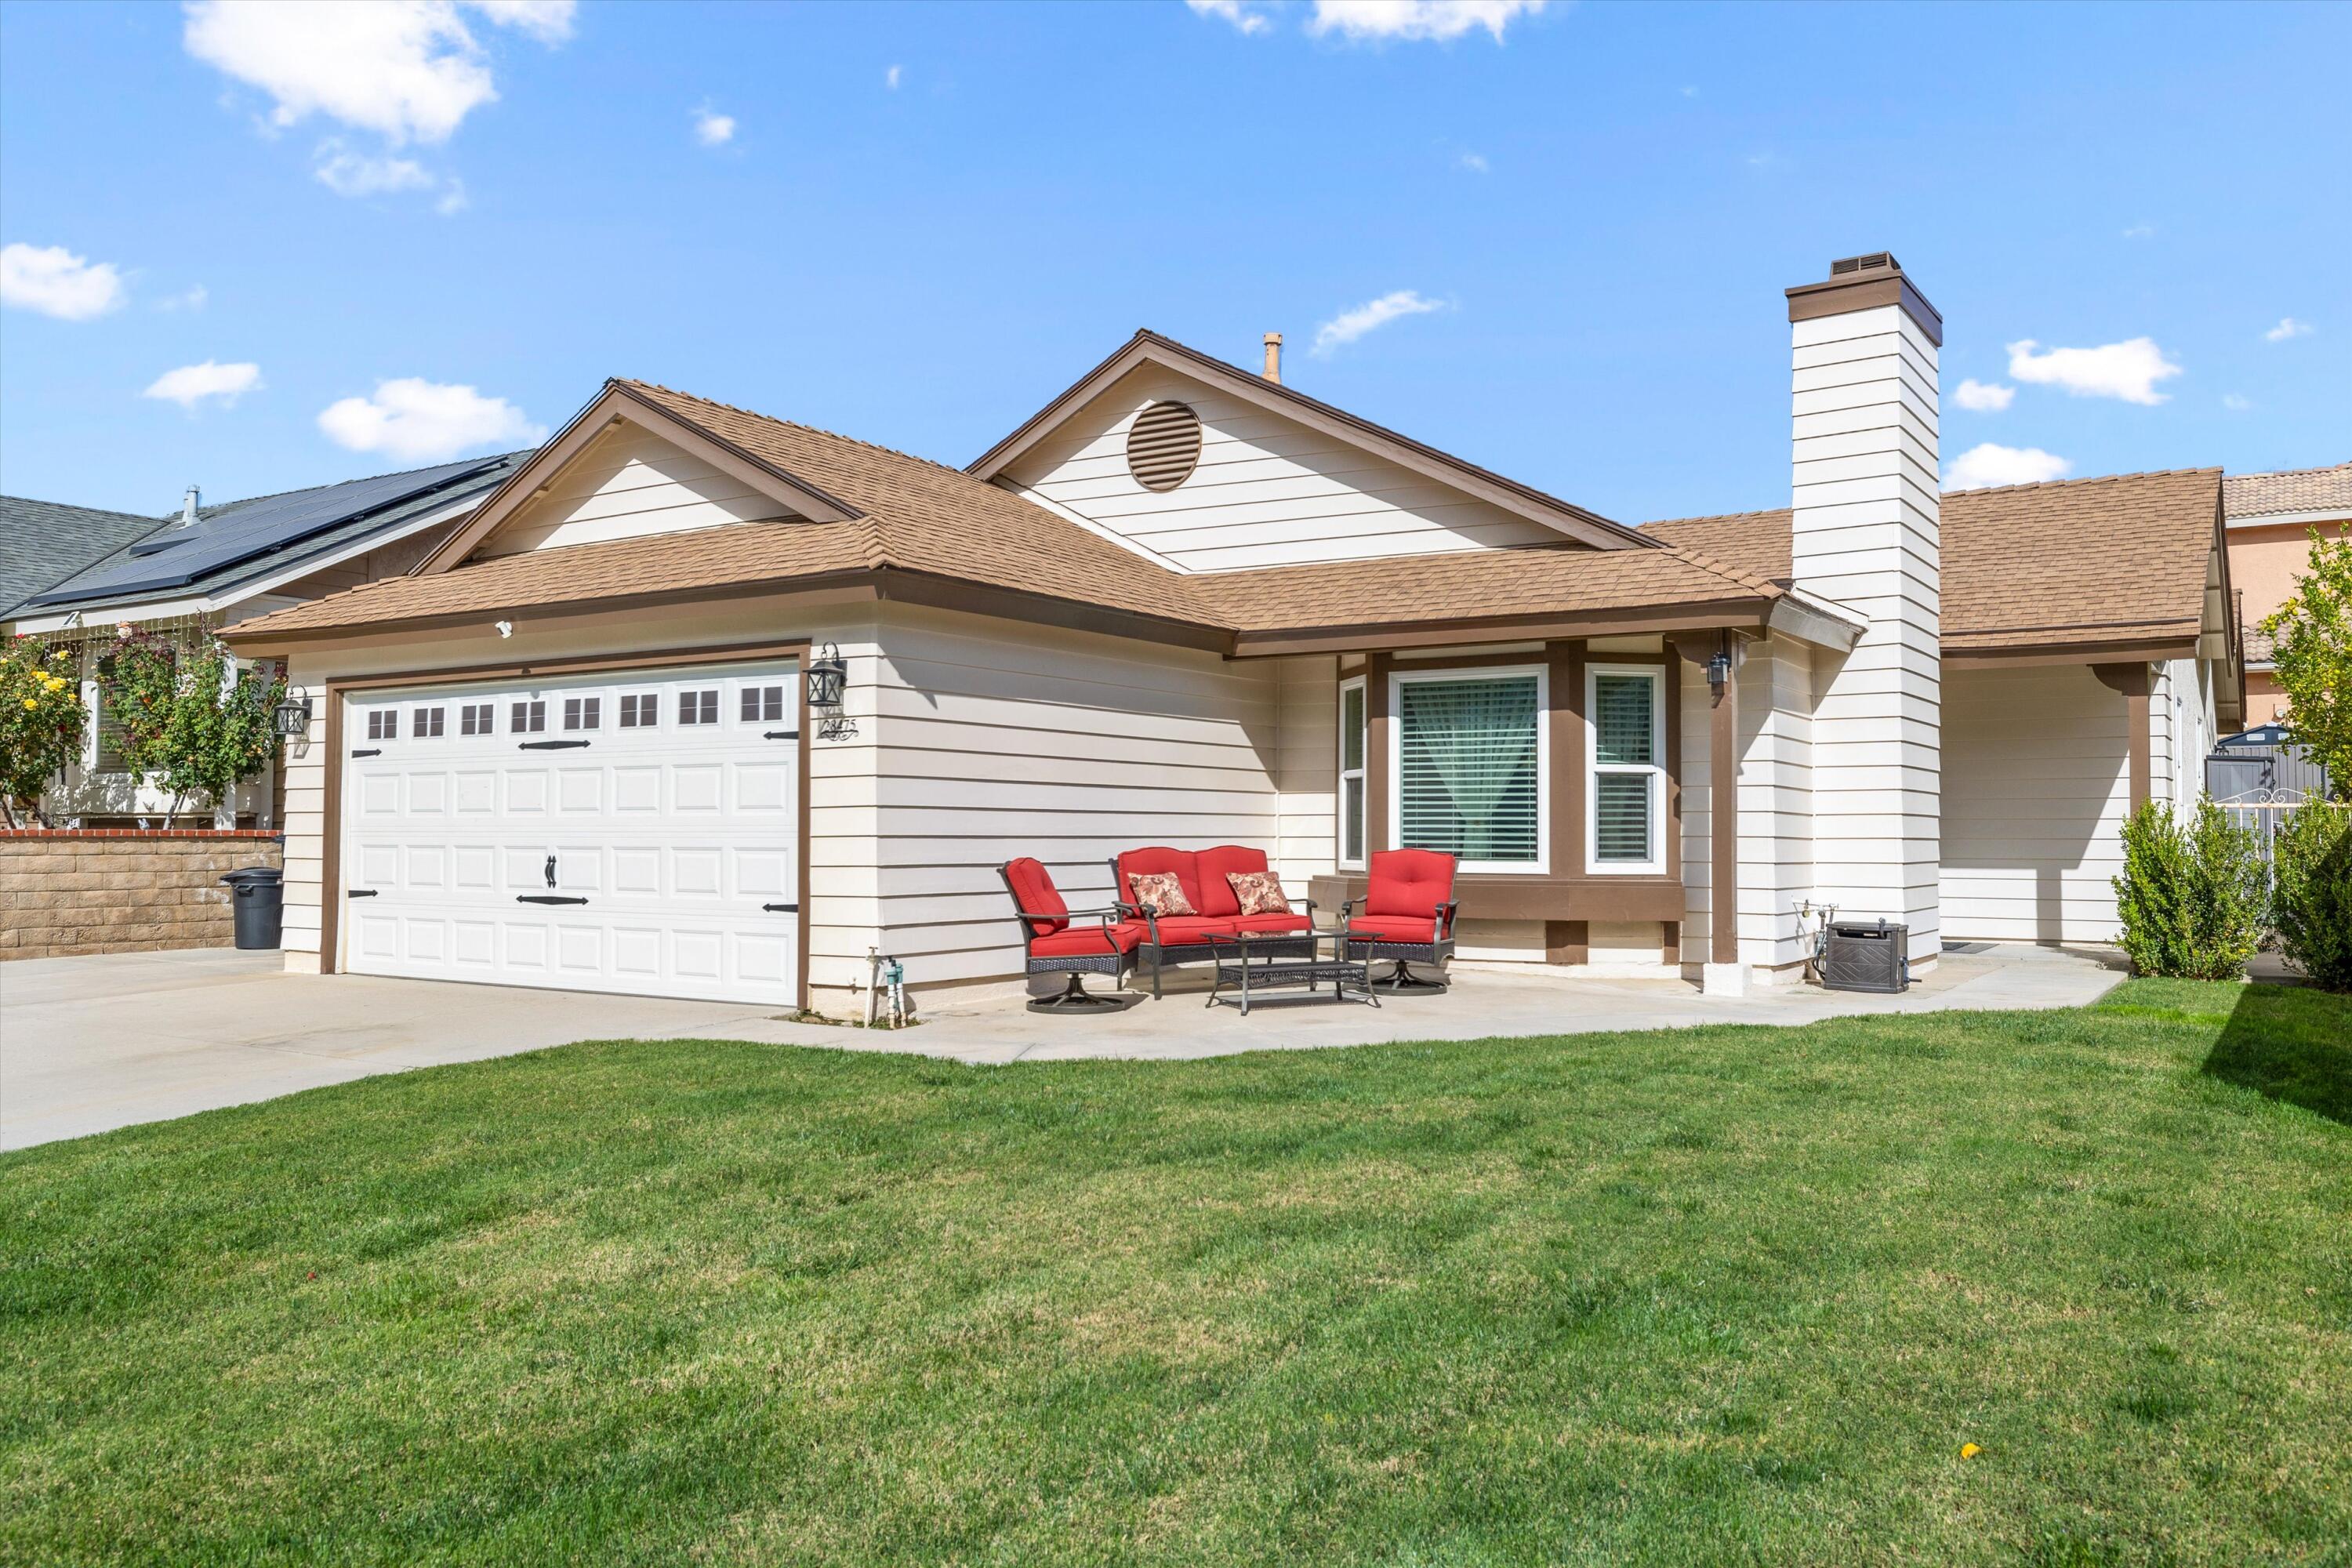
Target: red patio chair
[
  {"x": 1409, "y": 905},
  {"x": 1054, "y": 943}
]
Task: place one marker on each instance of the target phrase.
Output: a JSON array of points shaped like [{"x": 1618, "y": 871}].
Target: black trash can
[{"x": 258, "y": 893}]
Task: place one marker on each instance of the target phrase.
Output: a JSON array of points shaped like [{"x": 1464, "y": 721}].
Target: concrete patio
[{"x": 91, "y": 1043}]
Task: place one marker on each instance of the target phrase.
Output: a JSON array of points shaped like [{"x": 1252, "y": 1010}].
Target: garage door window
[
  {"x": 640, "y": 711},
  {"x": 474, "y": 719},
  {"x": 530, "y": 717},
  {"x": 583, "y": 712},
  {"x": 383, "y": 724},
  {"x": 426, "y": 723},
  {"x": 697, "y": 707},
  {"x": 762, "y": 703}
]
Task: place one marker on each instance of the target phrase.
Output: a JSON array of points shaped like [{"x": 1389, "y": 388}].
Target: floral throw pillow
[
  {"x": 1260, "y": 892},
  {"x": 1161, "y": 893}
]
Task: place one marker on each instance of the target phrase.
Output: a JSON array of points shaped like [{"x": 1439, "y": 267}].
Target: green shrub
[
  {"x": 2311, "y": 900},
  {"x": 2191, "y": 897}
]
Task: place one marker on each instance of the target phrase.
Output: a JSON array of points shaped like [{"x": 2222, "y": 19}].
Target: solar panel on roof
[{"x": 245, "y": 530}]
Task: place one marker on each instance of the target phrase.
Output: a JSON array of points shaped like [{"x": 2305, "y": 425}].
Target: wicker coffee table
[{"x": 1253, "y": 965}]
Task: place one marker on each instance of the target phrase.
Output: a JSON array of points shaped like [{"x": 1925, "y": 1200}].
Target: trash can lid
[
  {"x": 1875, "y": 928},
  {"x": 255, "y": 874}
]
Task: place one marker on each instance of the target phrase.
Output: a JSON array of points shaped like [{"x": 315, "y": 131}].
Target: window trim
[
  {"x": 1397, "y": 679},
  {"x": 1655, "y": 770},
  {"x": 1362, "y": 772}
]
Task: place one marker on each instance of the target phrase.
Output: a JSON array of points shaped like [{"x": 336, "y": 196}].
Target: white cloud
[
  {"x": 549, "y": 21},
  {"x": 2127, "y": 370},
  {"x": 420, "y": 421},
  {"x": 2288, "y": 327},
  {"x": 1977, "y": 395},
  {"x": 1442, "y": 20},
  {"x": 1348, "y": 325},
  {"x": 192, "y": 383},
  {"x": 2236, "y": 402},
  {"x": 890, "y": 78},
  {"x": 2140, "y": 231},
  {"x": 194, "y": 298},
  {"x": 1474, "y": 161},
  {"x": 349, "y": 174},
  {"x": 453, "y": 197},
  {"x": 407, "y": 69},
  {"x": 1233, "y": 11},
  {"x": 56, "y": 282},
  {"x": 713, "y": 129},
  {"x": 1989, "y": 464}
]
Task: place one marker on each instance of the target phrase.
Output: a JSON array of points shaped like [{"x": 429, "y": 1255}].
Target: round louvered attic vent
[{"x": 1163, "y": 445}]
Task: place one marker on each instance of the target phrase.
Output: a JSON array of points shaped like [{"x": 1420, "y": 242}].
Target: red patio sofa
[{"x": 1171, "y": 940}]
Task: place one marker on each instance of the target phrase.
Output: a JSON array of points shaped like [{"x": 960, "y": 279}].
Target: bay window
[
  {"x": 1625, "y": 767},
  {"x": 1467, "y": 758}
]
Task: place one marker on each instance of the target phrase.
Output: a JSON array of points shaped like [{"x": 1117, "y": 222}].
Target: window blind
[{"x": 1466, "y": 767}]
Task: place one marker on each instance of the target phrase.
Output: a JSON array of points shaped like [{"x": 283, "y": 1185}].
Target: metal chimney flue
[
  {"x": 1273, "y": 358},
  {"x": 188, "y": 506}
]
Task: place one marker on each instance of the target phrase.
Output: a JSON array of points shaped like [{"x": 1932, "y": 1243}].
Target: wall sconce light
[
  {"x": 828, "y": 682},
  {"x": 291, "y": 717},
  {"x": 1718, "y": 670}
]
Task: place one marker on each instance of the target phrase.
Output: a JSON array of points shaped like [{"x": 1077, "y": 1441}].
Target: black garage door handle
[
  {"x": 546, "y": 899},
  {"x": 551, "y": 745}
]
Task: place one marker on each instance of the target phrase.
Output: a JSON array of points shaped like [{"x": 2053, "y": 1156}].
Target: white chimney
[
  {"x": 188, "y": 506},
  {"x": 1865, "y": 534}
]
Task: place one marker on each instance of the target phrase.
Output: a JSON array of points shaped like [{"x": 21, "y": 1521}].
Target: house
[
  {"x": 1186, "y": 604},
  {"x": 44, "y": 542},
  {"x": 2271, "y": 517},
  {"x": 212, "y": 566}
]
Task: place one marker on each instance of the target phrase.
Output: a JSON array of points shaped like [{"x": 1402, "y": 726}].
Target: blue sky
[{"x": 924, "y": 221}]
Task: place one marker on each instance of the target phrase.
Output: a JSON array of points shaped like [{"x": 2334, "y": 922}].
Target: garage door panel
[{"x": 679, "y": 836}]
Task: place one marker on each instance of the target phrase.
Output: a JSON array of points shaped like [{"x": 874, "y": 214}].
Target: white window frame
[
  {"x": 1655, "y": 866},
  {"x": 1362, "y": 772},
  {"x": 1398, "y": 680}
]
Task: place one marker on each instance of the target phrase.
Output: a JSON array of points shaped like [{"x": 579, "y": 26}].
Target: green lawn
[{"x": 1712, "y": 1296}]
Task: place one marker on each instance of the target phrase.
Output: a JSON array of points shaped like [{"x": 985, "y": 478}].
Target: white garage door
[{"x": 635, "y": 833}]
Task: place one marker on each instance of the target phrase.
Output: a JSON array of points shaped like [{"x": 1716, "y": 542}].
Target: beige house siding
[
  {"x": 627, "y": 482},
  {"x": 1267, "y": 491},
  {"x": 995, "y": 740},
  {"x": 2036, "y": 787}
]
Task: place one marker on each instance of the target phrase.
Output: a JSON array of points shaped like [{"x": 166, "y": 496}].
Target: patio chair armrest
[
  {"x": 1118, "y": 911},
  {"x": 1306, "y": 906},
  {"x": 1443, "y": 921}
]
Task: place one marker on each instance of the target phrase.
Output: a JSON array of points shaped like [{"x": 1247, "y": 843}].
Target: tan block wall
[{"x": 67, "y": 892}]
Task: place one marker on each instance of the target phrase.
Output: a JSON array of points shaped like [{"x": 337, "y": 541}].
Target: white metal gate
[{"x": 634, "y": 832}]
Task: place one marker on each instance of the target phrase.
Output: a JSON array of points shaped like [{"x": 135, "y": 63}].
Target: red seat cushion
[
  {"x": 1288, "y": 920},
  {"x": 1078, "y": 941},
  {"x": 1034, "y": 894},
  {"x": 1216, "y": 895},
  {"x": 1177, "y": 930},
  {"x": 1409, "y": 882},
  {"x": 1159, "y": 857},
  {"x": 1397, "y": 928}
]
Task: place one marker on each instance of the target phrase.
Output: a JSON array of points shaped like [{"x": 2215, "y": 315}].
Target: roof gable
[{"x": 1287, "y": 404}]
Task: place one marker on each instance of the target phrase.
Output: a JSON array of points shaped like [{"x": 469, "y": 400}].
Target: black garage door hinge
[
  {"x": 551, "y": 745},
  {"x": 361, "y": 893},
  {"x": 781, "y": 735},
  {"x": 369, "y": 752},
  {"x": 780, "y": 909},
  {"x": 547, "y": 899}
]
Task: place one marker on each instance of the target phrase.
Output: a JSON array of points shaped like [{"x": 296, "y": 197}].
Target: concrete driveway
[{"x": 89, "y": 1044}]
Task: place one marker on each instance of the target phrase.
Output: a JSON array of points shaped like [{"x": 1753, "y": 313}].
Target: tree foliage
[
  {"x": 2311, "y": 898},
  {"x": 186, "y": 725},
  {"x": 2310, "y": 643},
  {"x": 43, "y": 722},
  {"x": 2192, "y": 896}
]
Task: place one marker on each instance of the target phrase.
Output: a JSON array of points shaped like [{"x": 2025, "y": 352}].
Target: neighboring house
[
  {"x": 210, "y": 568},
  {"x": 1186, "y": 604},
  {"x": 42, "y": 542},
  {"x": 2270, "y": 519}
]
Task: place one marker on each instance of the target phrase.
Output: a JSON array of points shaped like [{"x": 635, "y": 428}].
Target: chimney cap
[{"x": 1864, "y": 282}]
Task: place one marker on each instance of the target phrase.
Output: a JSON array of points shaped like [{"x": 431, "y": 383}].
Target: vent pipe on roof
[
  {"x": 1273, "y": 358},
  {"x": 188, "y": 506}
]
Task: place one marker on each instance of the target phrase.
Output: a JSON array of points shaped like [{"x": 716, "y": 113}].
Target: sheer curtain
[{"x": 1466, "y": 768}]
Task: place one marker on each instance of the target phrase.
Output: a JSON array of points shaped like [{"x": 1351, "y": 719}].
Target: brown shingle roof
[
  {"x": 921, "y": 517},
  {"x": 2293, "y": 490},
  {"x": 2079, "y": 561}
]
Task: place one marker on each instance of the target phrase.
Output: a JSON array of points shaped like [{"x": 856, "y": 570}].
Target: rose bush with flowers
[
  {"x": 186, "y": 724},
  {"x": 43, "y": 722}
]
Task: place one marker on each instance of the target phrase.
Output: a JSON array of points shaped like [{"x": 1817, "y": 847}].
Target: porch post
[
  {"x": 1377, "y": 784},
  {"x": 1723, "y": 972},
  {"x": 2130, "y": 681}
]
